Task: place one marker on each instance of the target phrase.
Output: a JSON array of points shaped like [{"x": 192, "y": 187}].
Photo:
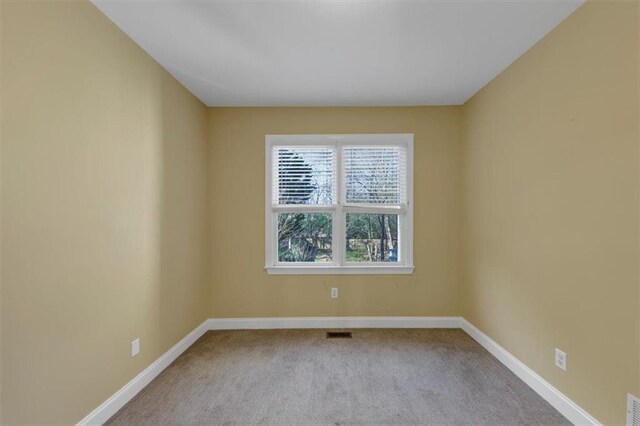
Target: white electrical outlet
[
  {"x": 334, "y": 293},
  {"x": 561, "y": 360},
  {"x": 135, "y": 347}
]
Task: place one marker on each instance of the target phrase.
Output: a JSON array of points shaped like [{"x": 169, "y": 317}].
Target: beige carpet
[{"x": 437, "y": 377}]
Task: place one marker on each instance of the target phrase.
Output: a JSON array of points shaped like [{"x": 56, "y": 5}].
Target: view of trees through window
[
  {"x": 372, "y": 237},
  {"x": 305, "y": 177},
  {"x": 304, "y": 237}
]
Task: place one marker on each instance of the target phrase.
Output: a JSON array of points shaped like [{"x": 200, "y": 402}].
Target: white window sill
[{"x": 339, "y": 270}]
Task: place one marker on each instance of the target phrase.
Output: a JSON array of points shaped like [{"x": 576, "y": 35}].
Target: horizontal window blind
[
  {"x": 303, "y": 175},
  {"x": 374, "y": 175}
]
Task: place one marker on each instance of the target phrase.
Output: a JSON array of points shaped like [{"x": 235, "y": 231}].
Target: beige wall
[
  {"x": 552, "y": 207},
  {"x": 104, "y": 210},
  {"x": 240, "y": 285}
]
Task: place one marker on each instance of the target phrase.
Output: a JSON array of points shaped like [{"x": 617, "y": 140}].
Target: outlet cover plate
[{"x": 561, "y": 360}]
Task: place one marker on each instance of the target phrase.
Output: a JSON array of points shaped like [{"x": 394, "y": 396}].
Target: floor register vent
[
  {"x": 345, "y": 335},
  {"x": 633, "y": 410}
]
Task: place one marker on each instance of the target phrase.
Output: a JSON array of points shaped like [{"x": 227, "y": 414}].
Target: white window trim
[{"x": 273, "y": 267}]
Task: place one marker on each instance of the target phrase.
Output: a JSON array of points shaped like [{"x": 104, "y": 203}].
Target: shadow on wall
[
  {"x": 184, "y": 207},
  {"x": 104, "y": 211}
]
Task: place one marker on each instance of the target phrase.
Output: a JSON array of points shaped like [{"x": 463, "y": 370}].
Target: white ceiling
[{"x": 305, "y": 53}]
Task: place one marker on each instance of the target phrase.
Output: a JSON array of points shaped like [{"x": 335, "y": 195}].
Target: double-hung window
[{"x": 339, "y": 204}]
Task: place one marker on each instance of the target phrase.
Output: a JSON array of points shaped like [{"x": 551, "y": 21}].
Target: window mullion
[
  {"x": 338, "y": 227},
  {"x": 303, "y": 208},
  {"x": 374, "y": 209}
]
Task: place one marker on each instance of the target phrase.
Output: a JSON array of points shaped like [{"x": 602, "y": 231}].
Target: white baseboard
[
  {"x": 332, "y": 322},
  {"x": 553, "y": 396},
  {"x": 111, "y": 406}
]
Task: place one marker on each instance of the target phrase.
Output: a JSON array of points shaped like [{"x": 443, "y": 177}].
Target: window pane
[
  {"x": 303, "y": 175},
  {"x": 372, "y": 238},
  {"x": 374, "y": 175},
  {"x": 304, "y": 237}
]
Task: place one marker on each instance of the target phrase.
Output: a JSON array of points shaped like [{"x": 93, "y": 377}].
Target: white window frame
[{"x": 338, "y": 210}]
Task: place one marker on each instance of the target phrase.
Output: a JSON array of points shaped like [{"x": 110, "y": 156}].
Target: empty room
[{"x": 320, "y": 212}]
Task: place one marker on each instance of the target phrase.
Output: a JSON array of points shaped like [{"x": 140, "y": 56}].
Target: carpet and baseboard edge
[
  {"x": 572, "y": 411},
  {"x": 118, "y": 400}
]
